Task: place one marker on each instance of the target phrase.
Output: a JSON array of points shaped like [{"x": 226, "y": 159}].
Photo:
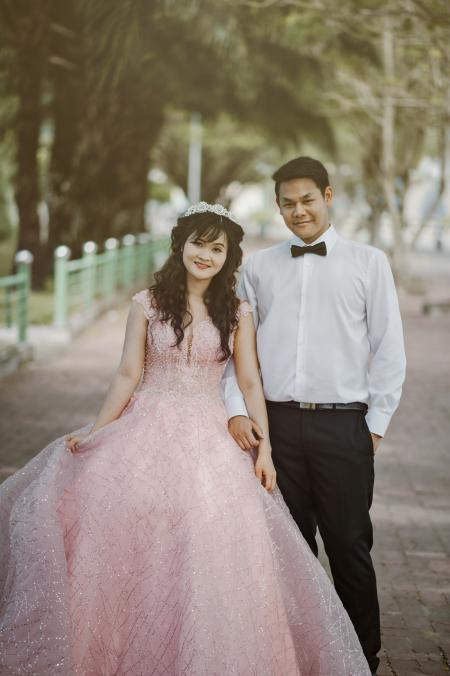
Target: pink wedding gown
[{"x": 155, "y": 550}]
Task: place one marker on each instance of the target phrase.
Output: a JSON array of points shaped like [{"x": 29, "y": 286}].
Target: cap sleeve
[
  {"x": 144, "y": 298},
  {"x": 244, "y": 309}
]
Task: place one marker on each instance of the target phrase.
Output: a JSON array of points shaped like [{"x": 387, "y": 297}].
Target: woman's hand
[
  {"x": 73, "y": 440},
  {"x": 265, "y": 470}
]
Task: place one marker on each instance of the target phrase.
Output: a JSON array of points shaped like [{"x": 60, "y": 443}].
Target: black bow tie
[{"x": 320, "y": 249}]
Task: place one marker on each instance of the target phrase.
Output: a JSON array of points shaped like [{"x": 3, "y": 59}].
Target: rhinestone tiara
[{"x": 203, "y": 207}]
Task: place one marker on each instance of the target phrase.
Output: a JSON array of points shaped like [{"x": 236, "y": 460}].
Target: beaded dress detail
[{"x": 155, "y": 550}]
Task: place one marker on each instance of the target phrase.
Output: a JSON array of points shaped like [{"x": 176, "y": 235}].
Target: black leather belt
[{"x": 352, "y": 406}]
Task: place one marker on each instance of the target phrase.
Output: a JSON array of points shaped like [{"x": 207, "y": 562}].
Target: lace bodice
[{"x": 193, "y": 367}]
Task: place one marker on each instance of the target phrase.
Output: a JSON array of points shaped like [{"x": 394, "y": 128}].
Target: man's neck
[{"x": 311, "y": 240}]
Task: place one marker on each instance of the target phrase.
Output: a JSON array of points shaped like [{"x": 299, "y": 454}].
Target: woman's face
[{"x": 203, "y": 260}]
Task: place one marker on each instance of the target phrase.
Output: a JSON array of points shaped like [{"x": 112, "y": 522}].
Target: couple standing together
[{"x": 152, "y": 544}]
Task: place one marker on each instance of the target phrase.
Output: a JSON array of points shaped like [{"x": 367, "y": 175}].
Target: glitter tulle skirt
[{"x": 155, "y": 550}]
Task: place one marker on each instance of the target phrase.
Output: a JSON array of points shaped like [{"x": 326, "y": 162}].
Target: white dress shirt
[{"x": 328, "y": 328}]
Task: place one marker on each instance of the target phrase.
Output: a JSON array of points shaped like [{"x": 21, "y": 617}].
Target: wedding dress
[{"x": 154, "y": 550}]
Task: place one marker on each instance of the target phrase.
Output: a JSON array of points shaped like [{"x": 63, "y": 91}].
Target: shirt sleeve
[
  {"x": 231, "y": 394},
  {"x": 246, "y": 290},
  {"x": 388, "y": 361}
]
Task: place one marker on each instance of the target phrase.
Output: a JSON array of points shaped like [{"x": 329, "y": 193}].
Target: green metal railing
[
  {"x": 15, "y": 292},
  {"x": 80, "y": 284}
]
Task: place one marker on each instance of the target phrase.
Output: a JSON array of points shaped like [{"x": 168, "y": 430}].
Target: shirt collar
[{"x": 330, "y": 238}]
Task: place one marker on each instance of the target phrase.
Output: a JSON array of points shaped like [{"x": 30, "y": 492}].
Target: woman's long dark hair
[{"x": 169, "y": 290}]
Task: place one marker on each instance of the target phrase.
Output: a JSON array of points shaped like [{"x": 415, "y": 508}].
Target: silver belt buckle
[{"x": 305, "y": 404}]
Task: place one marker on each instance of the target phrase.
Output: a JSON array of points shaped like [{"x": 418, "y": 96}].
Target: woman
[{"x": 148, "y": 546}]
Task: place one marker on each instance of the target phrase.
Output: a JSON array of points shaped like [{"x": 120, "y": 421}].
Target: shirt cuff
[
  {"x": 235, "y": 406},
  {"x": 377, "y": 422}
]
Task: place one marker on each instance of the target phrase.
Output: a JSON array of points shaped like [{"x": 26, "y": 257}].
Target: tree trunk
[
  {"x": 443, "y": 161},
  {"x": 120, "y": 131},
  {"x": 374, "y": 192},
  {"x": 388, "y": 150},
  {"x": 141, "y": 122},
  {"x": 31, "y": 52},
  {"x": 66, "y": 110}
]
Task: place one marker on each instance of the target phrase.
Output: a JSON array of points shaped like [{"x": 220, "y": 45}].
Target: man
[{"x": 330, "y": 345}]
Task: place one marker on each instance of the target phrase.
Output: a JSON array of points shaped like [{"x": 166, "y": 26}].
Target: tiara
[{"x": 204, "y": 207}]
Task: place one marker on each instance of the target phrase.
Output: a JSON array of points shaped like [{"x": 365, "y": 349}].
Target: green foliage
[
  {"x": 160, "y": 192},
  {"x": 231, "y": 152},
  {"x": 116, "y": 80}
]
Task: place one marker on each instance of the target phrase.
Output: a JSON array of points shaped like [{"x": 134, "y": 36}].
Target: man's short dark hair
[{"x": 302, "y": 167}]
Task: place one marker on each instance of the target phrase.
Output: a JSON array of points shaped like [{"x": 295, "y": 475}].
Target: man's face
[{"x": 304, "y": 208}]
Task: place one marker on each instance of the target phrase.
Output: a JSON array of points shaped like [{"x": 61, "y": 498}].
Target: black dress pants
[{"x": 325, "y": 471}]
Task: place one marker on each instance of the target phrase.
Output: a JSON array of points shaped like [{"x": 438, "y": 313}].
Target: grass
[
  {"x": 7, "y": 248},
  {"x": 41, "y": 302},
  {"x": 41, "y": 307}
]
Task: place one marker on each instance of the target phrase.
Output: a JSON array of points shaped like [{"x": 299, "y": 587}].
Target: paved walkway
[{"x": 412, "y": 498}]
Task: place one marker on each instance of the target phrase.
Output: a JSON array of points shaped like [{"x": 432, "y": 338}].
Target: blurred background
[{"x": 115, "y": 114}]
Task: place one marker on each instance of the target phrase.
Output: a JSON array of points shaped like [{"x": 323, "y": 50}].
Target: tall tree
[
  {"x": 25, "y": 31},
  {"x": 379, "y": 61},
  {"x": 65, "y": 112},
  {"x": 140, "y": 60}
]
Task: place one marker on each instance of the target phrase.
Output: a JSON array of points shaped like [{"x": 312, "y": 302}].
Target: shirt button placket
[{"x": 301, "y": 329}]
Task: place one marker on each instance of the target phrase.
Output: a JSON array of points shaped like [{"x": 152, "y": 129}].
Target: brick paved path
[
  {"x": 412, "y": 510},
  {"x": 412, "y": 498}
]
